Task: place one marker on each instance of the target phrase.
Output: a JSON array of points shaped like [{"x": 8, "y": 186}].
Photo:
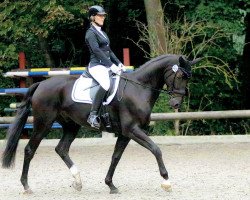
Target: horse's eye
[{"x": 179, "y": 74}]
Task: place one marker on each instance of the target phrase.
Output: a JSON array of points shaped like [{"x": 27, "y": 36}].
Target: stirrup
[
  {"x": 106, "y": 119},
  {"x": 94, "y": 121}
]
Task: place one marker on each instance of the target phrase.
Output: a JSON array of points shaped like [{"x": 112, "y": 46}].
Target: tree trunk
[
  {"x": 246, "y": 66},
  {"x": 155, "y": 19},
  {"x": 44, "y": 47}
]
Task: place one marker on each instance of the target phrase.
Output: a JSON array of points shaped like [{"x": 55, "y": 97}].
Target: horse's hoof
[
  {"x": 77, "y": 186},
  {"x": 166, "y": 185},
  {"x": 28, "y": 191},
  {"x": 114, "y": 191}
]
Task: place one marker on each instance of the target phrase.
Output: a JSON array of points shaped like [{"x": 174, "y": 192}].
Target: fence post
[
  {"x": 177, "y": 124},
  {"x": 22, "y": 62},
  {"x": 22, "y": 84},
  {"x": 126, "y": 57}
]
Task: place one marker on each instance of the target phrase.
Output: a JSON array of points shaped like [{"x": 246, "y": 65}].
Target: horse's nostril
[{"x": 176, "y": 105}]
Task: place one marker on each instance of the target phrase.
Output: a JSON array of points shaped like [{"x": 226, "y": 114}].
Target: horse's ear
[
  {"x": 195, "y": 61},
  {"x": 184, "y": 63}
]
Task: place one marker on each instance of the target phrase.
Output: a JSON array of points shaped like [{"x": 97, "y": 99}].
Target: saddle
[
  {"x": 85, "y": 88},
  {"x": 84, "y": 91}
]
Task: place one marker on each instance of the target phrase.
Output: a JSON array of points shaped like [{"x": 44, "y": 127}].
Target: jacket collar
[
  {"x": 93, "y": 28},
  {"x": 98, "y": 28}
]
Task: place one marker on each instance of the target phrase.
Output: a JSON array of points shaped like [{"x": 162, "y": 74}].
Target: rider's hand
[
  {"x": 115, "y": 69},
  {"x": 122, "y": 67}
]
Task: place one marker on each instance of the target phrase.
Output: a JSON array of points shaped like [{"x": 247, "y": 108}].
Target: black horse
[{"x": 129, "y": 113}]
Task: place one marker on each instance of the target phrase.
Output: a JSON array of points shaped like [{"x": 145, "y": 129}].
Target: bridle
[{"x": 174, "y": 92}]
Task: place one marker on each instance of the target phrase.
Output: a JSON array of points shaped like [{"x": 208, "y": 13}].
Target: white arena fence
[{"x": 176, "y": 116}]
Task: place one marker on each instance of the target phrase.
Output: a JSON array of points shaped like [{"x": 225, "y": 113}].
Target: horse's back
[{"x": 52, "y": 90}]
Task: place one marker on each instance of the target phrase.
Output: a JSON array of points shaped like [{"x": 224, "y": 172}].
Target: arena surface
[{"x": 200, "y": 168}]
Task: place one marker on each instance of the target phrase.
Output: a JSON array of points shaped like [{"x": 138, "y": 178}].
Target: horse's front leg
[
  {"x": 120, "y": 146},
  {"x": 138, "y": 135}
]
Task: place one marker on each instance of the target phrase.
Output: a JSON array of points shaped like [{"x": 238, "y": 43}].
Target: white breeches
[{"x": 101, "y": 75}]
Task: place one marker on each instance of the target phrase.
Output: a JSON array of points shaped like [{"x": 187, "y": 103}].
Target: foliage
[
  {"x": 216, "y": 79},
  {"x": 22, "y": 23},
  {"x": 216, "y": 39},
  {"x": 162, "y": 127}
]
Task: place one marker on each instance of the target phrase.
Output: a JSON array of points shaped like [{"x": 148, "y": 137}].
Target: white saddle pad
[{"x": 81, "y": 92}]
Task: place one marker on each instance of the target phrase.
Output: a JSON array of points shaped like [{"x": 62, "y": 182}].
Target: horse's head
[{"x": 178, "y": 79}]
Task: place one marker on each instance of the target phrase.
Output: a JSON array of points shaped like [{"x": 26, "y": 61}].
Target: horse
[{"x": 129, "y": 114}]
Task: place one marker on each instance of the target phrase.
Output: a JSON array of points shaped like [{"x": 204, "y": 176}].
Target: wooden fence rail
[
  {"x": 201, "y": 115},
  {"x": 176, "y": 116}
]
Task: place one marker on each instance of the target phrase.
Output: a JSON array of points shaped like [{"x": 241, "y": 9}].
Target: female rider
[{"x": 102, "y": 60}]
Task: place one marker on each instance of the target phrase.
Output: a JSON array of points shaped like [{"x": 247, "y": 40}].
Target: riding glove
[
  {"x": 115, "y": 69},
  {"x": 122, "y": 67}
]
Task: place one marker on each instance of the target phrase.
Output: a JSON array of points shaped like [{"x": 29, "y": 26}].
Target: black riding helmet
[{"x": 96, "y": 10}]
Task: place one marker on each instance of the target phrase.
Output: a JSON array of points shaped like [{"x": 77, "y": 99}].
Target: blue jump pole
[
  {"x": 13, "y": 91},
  {"x": 30, "y": 126}
]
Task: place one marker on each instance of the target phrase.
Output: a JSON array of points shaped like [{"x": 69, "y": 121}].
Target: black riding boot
[{"x": 94, "y": 119}]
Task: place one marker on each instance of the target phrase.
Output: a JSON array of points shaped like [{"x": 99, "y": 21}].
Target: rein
[
  {"x": 169, "y": 92},
  {"x": 146, "y": 86}
]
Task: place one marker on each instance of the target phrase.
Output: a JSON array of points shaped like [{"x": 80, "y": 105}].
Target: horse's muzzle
[{"x": 175, "y": 102}]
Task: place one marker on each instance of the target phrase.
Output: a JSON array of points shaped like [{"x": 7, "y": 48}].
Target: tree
[
  {"x": 245, "y": 69},
  {"x": 39, "y": 26},
  {"x": 156, "y": 28}
]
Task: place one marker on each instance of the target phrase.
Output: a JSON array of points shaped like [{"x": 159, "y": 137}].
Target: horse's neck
[
  {"x": 152, "y": 77},
  {"x": 148, "y": 81}
]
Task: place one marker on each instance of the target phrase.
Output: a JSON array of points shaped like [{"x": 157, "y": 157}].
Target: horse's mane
[{"x": 157, "y": 59}]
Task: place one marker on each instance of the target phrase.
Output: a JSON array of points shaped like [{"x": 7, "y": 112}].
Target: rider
[{"x": 102, "y": 60}]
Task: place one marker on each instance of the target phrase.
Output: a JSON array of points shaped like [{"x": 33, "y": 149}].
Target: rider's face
[{"x": 99, "y": 19}]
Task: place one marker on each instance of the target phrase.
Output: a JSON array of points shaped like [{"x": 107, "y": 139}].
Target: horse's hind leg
[
  {"x": 120, "y": 146},
  {"x": 70, "y": 131},
  {"x": 41, "y": 129}
]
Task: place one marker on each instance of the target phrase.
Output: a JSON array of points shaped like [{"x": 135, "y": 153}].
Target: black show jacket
[{"x": 99, "y": 47}]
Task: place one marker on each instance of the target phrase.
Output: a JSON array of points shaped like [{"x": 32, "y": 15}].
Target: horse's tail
[{"x": 16, "y": 129}]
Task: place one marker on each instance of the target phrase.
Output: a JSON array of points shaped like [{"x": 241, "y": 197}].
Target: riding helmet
[{"x": 94, "y": 10}]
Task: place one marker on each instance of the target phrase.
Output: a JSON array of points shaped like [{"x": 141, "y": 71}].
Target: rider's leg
[
  {"x": 101, "y": 75},
  {"x": 93, "y": 118}
]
